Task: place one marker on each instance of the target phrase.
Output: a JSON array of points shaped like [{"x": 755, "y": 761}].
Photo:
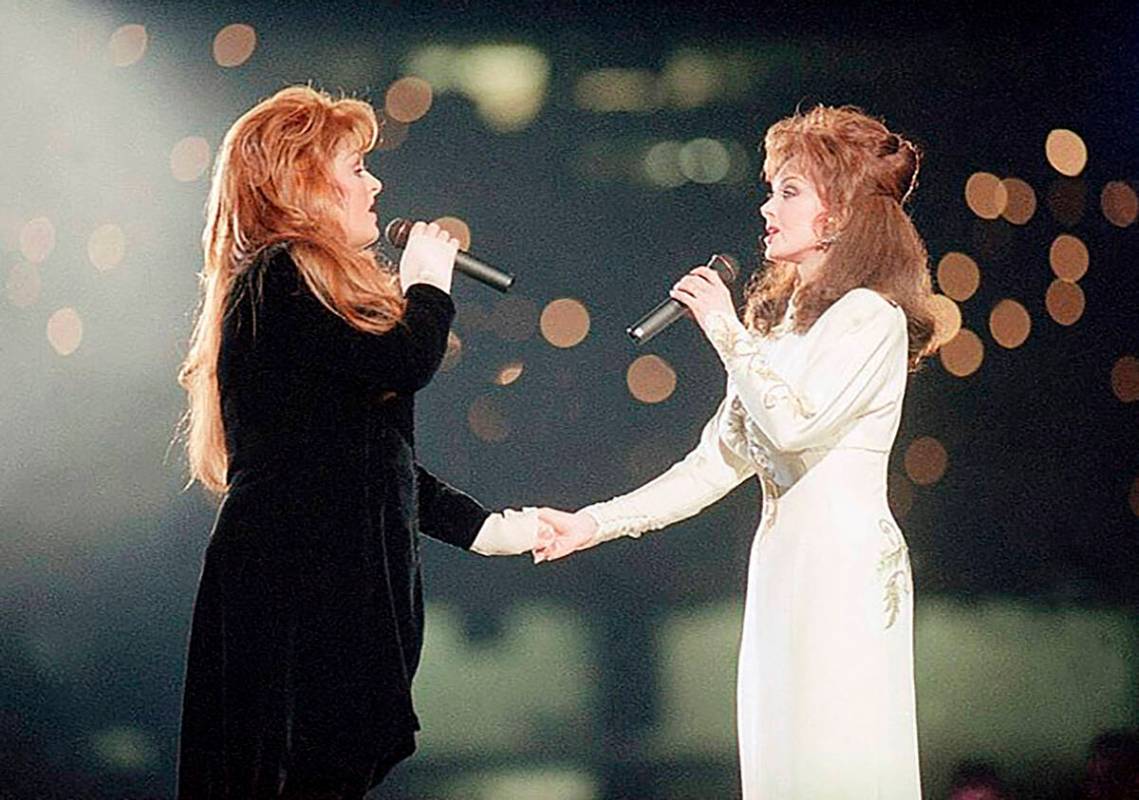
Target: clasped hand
[
  {"x": 704, "y": 294},
  {"x": 429, "y": 257},
  {"x": 561, "y": 533}
]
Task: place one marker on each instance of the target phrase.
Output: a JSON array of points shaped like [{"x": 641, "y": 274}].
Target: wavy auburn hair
[
  {"x": 273, "y": 183},
  {"x": 864, "y": 174}
]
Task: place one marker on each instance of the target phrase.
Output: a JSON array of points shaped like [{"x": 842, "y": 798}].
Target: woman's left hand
[{"x": 705, "y": 295}]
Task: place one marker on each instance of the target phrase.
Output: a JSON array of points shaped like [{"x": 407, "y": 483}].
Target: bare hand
[
  {"x": 561, "y": 533},
  {"x": 704, "y": 293}
]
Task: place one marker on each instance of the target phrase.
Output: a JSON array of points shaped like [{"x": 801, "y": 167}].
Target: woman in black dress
[{"x": 304, "y": 363}]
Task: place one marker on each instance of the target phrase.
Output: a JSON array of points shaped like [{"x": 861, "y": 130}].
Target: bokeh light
[
  {"x": 661, "y": 165},
  {"x": 1021, "y": 201},
  {"x": 234, "y": 44},
  {"x": 1125, "y": 379},
  {"x": 613, "y": 89},
  {"x": 128, "y": 45},
  {"x": 1068, "y": 257},
  {"x": 704, "y": 161},
  {"x": 106, "y": 247},
  {"x": 487, "y": 421},
  {"x": 23, "y": 285},
  {"x": 926, "y": 460},
  {"x": 1119, "y": 203},
  {"x": 958, "y": 276},
  {"x": 65, "y": 331},
  {"x": 962, "y": 355},
  {"x": 507, "y": 82},
  {"x": 651, "y": 379},
  {"x": 408, "y": 99},
  {"x": 1064, "y": 301},
  {"x": 37, "y": 239},
  {"x": 899, "y": 494},
  {"x": 189, "y": 158},
  {"x": 1009, "y": 323},
  {"x": 453, "y": 354},
  {"x": 985, "y": 195},
  {"x": 946, "y": 318},
  {"x": 565, "y": 322},
  {"x": 509, "y": 373},
  {"x": 1066, "y": 200},
  {"x": 1066, "y": 152},
  {"x": 125, "y": 748},
  {"x": 691, "y": 78},
  {"x": 458, "y": 229}
]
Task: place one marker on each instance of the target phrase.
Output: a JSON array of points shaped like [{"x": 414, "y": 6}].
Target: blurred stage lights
[
  {"x": 564, "y": 322},
  {"x": 1020, "y": 201},
  {"x": 926, "y": 460},
  {"x": 1119, "y": 203},
  {"x": 1066, "y": 152},
  {"x": 37, "y": 239},
  {"x": 1068, "y": 257},
  {"x": 65, "y": 331},
  {"x": 1064, "y": 302},
  {"x": 691, "y": 78},
  {"x": 962, "y": 355},
  {"x": 650, "y": 379},
  {"x": 947, "y": 319},
  {"x": 614, "y": 90},
  {"x": 106, "y": 247},
  {"x": 127, "y": 45},
  {"x": 985, "y": 195},
  {"x": 1009, "y": 324},
  {"x": 407, "y": 99},
  {"x": 189, "y": 158},
  {"x": 1125, "y": 379},
  {"x": 458, "y": 229},
  {"x": 234, "y": 44},
  {"x": 958, "y": 276},
  {"x": 509, "y": 373}
]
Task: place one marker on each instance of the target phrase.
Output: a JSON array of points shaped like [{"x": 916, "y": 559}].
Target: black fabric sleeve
[
  {"x": 404, "y": 359},
  {"x": 447, "y": 514}
]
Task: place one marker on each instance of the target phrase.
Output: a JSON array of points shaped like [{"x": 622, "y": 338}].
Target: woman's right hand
[
  {"x": 429, "y": 257},
  {"x": 562, "y": 533}
]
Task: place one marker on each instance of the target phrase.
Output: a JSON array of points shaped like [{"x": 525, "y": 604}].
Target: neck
[{"x": 808, "y": 268}]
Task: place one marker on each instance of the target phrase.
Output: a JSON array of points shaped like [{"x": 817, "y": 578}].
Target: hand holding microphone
[
  {"x": 398, "y": 233},
  {"x": 701, "y": 291},
  {"x": 428, "y": 257}
]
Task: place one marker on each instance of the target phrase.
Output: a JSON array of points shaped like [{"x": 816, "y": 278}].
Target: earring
[{"x": 826, "y": 240}]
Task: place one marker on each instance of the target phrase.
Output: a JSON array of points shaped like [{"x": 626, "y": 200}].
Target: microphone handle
[
  {"x": 492, "y": 277},
  {"x": 652, "y": 323}
]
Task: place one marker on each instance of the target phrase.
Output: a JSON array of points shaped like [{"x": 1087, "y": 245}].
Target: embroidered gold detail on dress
[
  {"x": 894, "y": 570},
  {"x": 732, "y": 344}
]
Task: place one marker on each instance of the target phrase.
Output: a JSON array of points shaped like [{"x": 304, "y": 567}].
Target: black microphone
[
  {"x": 671, "y": 309},
  {"x": 396, "y": 231}
]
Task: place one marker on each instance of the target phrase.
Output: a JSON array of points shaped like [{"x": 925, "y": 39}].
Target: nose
[
  {"x": 765, "y": 209},
  {"x": 378, "y": 187}
]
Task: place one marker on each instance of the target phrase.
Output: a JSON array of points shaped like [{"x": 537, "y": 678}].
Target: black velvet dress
[{"x": 308, "y": 623}]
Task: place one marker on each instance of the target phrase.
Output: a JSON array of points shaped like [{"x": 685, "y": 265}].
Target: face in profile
[
  {"x": 358, "y": 191},
  {"x": 792, "y": 216}
]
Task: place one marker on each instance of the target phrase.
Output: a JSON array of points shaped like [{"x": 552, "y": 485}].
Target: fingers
[{"x": 432, "y": 231}]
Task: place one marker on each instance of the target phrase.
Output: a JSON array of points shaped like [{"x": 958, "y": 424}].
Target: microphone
[
  {"x": 396, "y": 231},
  {"x": 671, "y": 310}
]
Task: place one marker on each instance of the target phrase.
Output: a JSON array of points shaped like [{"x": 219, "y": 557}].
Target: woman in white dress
[{"x": 816, "y": 373}]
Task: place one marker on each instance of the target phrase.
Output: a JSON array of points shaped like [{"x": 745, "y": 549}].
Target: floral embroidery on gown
[{"x": 825, "y": 686}]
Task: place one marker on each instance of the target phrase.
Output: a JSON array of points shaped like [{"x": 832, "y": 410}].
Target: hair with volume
[
  {"x": 273, "y": 183},
  {"x": 864, "y": 174}
]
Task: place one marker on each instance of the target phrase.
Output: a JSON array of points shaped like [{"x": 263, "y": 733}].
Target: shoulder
[{"x": 863, "y": 306}]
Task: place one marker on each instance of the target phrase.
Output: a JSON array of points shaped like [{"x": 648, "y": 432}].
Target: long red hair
[
  {"x": 272, "y": 182},
  {"x": 864, "y": 175}
]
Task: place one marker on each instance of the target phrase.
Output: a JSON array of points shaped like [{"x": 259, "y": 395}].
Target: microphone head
[
  {"x": 396, "y": 231},
  {"x": 725, "y": 266}
]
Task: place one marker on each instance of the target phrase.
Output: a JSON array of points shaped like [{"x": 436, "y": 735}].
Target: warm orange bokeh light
[
  {"x": 106, "y": 247},
  {"x": 958, "y": 276},
  {"x": 1066, "y": 152},
  {"x": 963, "y": 354},
  {"x": 189, "y": 158},
  {"x": 1125, "y": 379},
  {"x": 37, "y": 239},
  {"x": 458, "y": 229},
  {"x": 565, "y": 322},
  {"x": 1068, "y": 257},
  {"x": 65, "y": 331},
  {"x": 1009, "y": 323},
  {"x": 1021, "y": 204},
  {"x": 947, "y": 319},
  {"x": 926, "y": 460},
  {"x": 128, "y": 45},
  {"x": 1119, "y": 203},
  {"x": 1065, "y": 302},
  {"x": 985, "y": 195},
  {"x": 651, "y": 379},
  {"x": 234, "y": 44},
  {"x": 408, "y": 99},
  {"x": 509, "y": 373}
]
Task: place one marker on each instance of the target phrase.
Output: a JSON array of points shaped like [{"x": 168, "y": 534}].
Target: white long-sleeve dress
[{"x": 825, "y": 693}]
